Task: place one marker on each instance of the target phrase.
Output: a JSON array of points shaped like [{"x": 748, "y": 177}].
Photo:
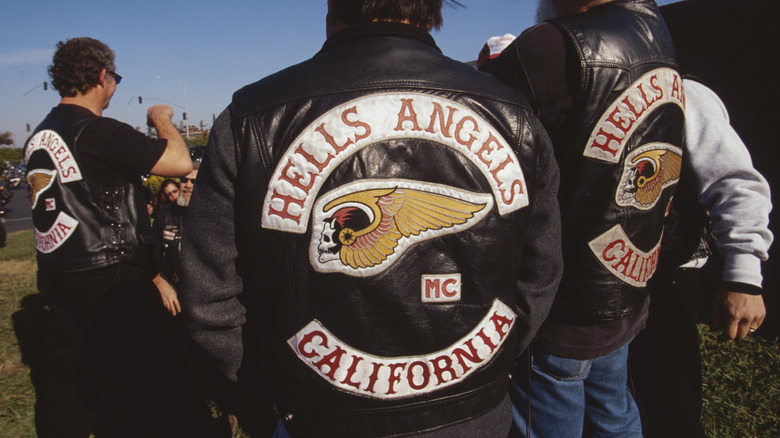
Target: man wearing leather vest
[
  {"x": 168, "y": 229},
  {"x": 374, "y": 233},
  {"x": 92, "y": 229},
  {"x": 602, "y": 77}
]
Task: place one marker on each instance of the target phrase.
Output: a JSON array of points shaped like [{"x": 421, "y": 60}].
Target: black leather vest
[
  {"x": 620, "y": 157},
  {"x": 80, "y": 224}
]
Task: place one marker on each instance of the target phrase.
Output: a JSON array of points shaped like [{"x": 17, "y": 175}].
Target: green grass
[
  {"x": 741, "y": 379},
  {"x": 17, "y": 280}
]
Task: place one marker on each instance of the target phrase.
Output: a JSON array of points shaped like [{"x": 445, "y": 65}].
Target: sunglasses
[
  {"x": 117, "y": 78},
  {"x": 184, "y": 179}
]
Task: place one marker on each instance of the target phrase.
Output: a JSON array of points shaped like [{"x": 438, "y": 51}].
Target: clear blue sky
[{"x": 214, "y": 47}]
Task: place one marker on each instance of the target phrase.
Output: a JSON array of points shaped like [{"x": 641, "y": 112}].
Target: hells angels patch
[
  {"x": 653, "y": 90},
  {"x": 346, "y": 129}
]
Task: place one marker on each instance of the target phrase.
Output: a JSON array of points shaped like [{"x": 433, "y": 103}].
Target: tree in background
[{"x": 6, "y": 138}]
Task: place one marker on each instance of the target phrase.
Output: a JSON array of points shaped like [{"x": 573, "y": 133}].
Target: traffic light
[
  {"x": 28, "y": 127},
  {"x": 140, "y": 99},
  {"x": 45, "y": 86},
  {"x": 185, "y": 116}
]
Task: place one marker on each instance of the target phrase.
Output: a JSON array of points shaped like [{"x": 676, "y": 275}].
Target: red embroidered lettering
[
  {"x": 486, "y": 339},
  {"x": 460, "y": 127},
  {"x": 425, "y": 374},
  {"x": 406, "y": 108},
  {"x": 621, "y": 123},
  {"x": 307, "y": 339},
  {"x": 331, "y": 141},
  {"x": 610, "y": 138},
  {"x": 501, "y": 323},
  {"x": 499, "y": 168},
  {"x": 449, "y": 288},
  {"x": 295, "y": 178},
  {"x": 472, "y": 355},
  {"x": 287, "y": 200},
  {"x": 439, "y": 370},
  {"x": 331, "y": 360},
  {"x": 351, "y": 372},
  {"x": 373, "y": 378},
  {"x": 438, "y": 113},
  {"x": 356, "y": 124},
  {"x": 394, "y": 376},
  {"x": 515, "y": 184},
  {"x": 310, "y": 158}
]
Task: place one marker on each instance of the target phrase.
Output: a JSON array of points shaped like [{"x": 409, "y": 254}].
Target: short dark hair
[
  {"x": 77, "y": 64},
  {"x": 416, "y": 12}
]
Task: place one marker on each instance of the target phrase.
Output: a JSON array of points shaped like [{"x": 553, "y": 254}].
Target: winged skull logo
[
  {"x": 647, "y": 174},
  {"x": 39, "y": 180},
  {"x": 366, "y": 227}
]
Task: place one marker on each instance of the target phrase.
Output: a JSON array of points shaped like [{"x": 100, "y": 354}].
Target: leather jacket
[
  {"x": 620, "y": 156},
  {"x": 80, "y": 224},
  {"x": 388, "y": 202}
]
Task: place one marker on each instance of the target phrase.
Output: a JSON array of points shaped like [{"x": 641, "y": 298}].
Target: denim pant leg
[
  {"x": 610, "y": 408},
  {"x": 556, "y": 397}
]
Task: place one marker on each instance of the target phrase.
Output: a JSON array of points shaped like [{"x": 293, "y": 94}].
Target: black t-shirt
[{"x": 109, "y": 151}]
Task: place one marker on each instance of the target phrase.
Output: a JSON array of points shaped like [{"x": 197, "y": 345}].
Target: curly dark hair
[
  {"x": 77, "y": 64},
  {"x": 417, "y": 12}
]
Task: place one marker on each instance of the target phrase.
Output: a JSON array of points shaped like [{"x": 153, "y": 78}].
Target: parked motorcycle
[{"x": 12, "y": 176}]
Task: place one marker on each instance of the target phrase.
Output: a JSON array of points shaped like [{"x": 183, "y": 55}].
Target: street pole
[
  {"x": 186, "y": 123},
  {"x": 24, "y": 102}
]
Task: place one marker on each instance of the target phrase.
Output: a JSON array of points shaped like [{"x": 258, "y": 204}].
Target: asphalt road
[{"x": 18, "y": 214}]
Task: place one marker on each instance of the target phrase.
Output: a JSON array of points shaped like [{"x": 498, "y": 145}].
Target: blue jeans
[{"x": 575, "y": 398}]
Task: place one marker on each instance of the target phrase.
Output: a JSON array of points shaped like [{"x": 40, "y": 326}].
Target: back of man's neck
[{"x": 85, "y": 101}]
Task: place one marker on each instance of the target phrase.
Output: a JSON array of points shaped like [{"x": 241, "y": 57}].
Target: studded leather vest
[
  {"x": 79, "y": 224},
  {"x": 620, "y": 157}
]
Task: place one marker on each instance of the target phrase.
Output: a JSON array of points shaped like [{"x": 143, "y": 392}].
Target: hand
[
  {"x": 157, "y": 113},
  {"x": 168, "y": 295},
  {"x": 736, "y": 313}
]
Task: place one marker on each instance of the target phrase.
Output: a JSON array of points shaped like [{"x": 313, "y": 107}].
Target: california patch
[
  {"x": 364, "y": 374},
  {"x": 647, "y": 171},
  {"x": 623, "y": 259},
  {"x": 361, "y": 228}
]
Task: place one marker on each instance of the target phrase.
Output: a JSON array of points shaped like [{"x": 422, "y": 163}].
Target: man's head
[
  {"x": 548, "y": 9},
  {"x": 80, "y": 64},
  {"x": 422, "y": 13},
  {"x": 187, "y": 184},
  {"x": 170, "y": 190}
]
